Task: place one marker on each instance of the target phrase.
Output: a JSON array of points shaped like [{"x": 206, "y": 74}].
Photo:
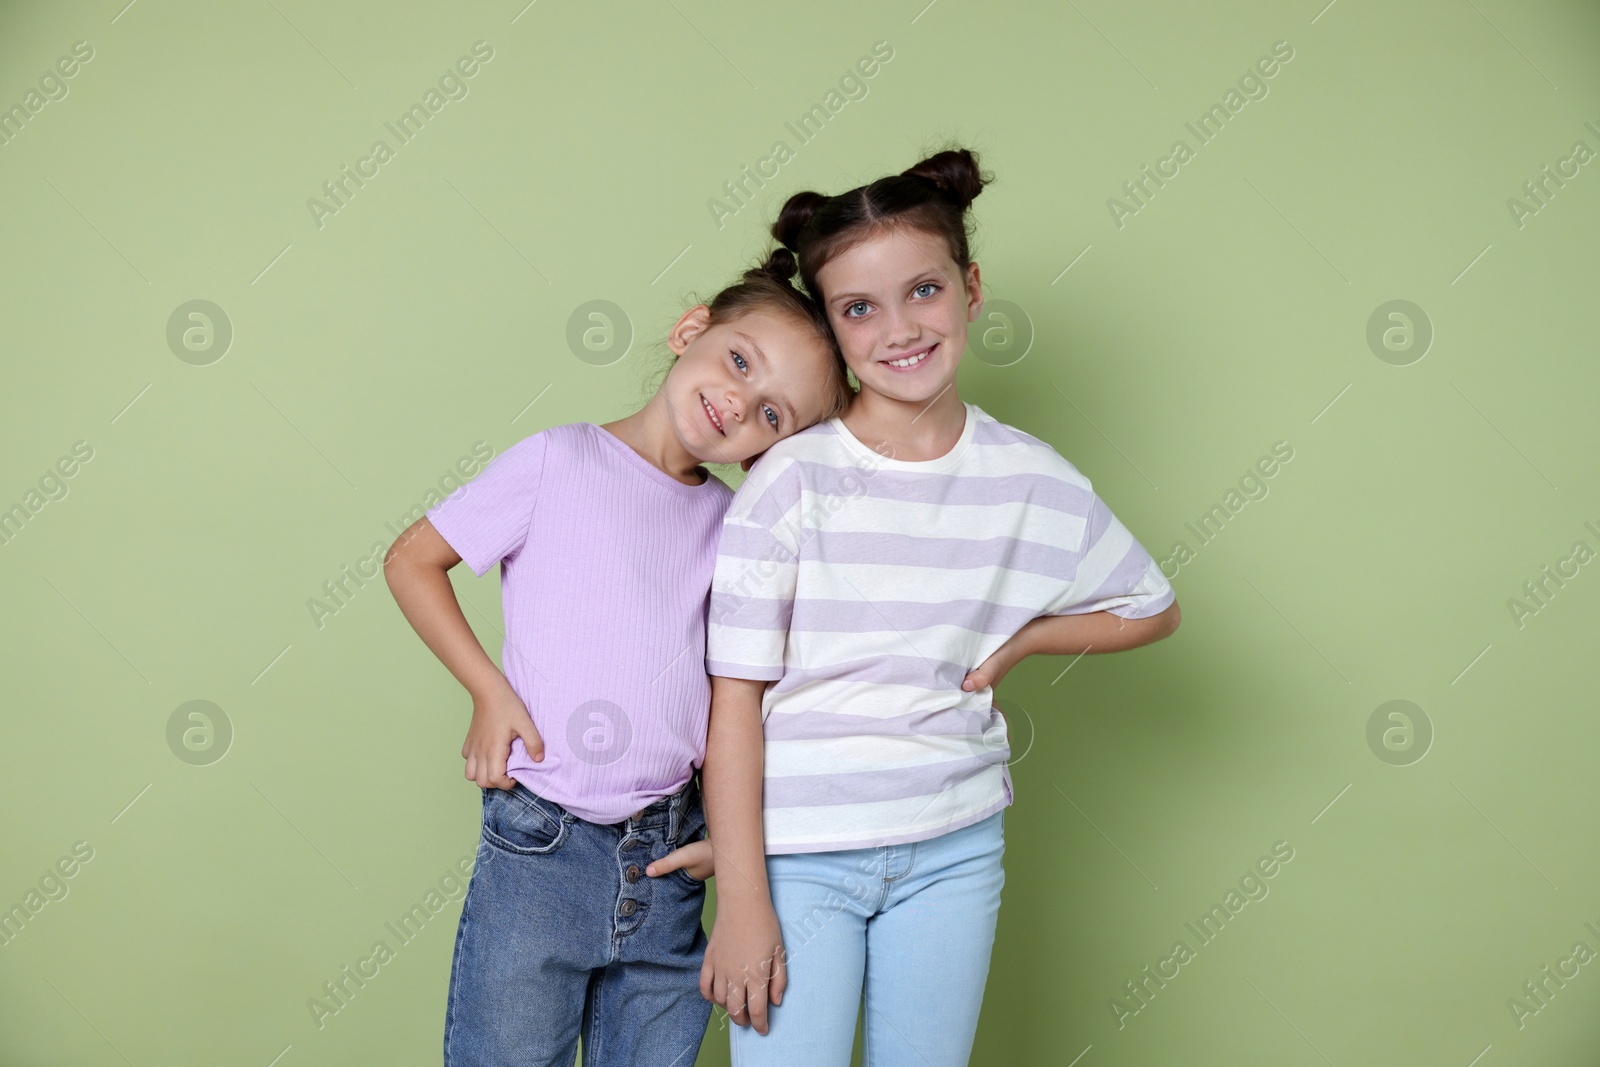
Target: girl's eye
[
  {"x": 739, "y": 362},
  {"x": 926, "y": 285},
  {"x": 858, "y": 304},
  {"x": 772, "y": 416}
]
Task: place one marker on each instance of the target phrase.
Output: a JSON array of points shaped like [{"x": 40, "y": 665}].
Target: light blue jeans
[{"x": 905, "y": 930}]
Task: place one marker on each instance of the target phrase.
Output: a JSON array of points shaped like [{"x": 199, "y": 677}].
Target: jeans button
[
  {"x": 629, "y": 907},
  {"x": 630, "y": 844},
  {"x": 632, "y": 873}
]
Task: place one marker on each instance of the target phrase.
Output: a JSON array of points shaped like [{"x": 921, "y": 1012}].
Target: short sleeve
[
  {"x": 1114, "y": 572},
  {"x": 753, "y": 586},
  {"x": 487, "y": 519}
]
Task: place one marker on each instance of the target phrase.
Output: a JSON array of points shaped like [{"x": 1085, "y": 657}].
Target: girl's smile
[
  {"x": 917, "y": 359},
  {"x": 711, "y": 413}
]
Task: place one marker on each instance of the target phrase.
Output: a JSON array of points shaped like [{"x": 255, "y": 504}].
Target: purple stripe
[
  {"x": 913, "y": 670},
  {"x": 1126, "y": 575},
  {"x": 867, "y": 787},
  {"x": 827, "y": 725},
  {"x": 857, "y": 616},
  {"x": 854, "y": 616},
  {"x": 750, "y": 612},
  {"x": 849, "y": 546},
  {"x": 948, "y": 553},
  {"x": 768, "y": 509},
  {"x": 752, "y": 543}
]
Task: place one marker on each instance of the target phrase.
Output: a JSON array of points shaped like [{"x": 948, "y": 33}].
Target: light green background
[{"x": 1229, "y": 313}]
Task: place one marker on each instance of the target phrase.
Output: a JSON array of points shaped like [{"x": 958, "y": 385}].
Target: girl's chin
[{"x": 908, "y": 388}]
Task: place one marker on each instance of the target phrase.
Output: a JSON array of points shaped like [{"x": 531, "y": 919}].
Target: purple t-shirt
[{"x": 605, "y": 573}]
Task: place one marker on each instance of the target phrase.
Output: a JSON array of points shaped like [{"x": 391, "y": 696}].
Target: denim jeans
[
  {"x": 904, "y": 929},
  {"x": 562, "y": 932}
]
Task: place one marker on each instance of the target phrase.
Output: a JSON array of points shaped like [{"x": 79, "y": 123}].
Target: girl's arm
[
  {"x": 744, "y": 961},
  {"x": 1068, "y": 635},
  {"x": 416, "y": 568}
]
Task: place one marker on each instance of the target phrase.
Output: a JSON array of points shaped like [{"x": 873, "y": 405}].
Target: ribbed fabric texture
[
  {"x": 606, "y": 565},
  {"x": 865, "y": 588}
]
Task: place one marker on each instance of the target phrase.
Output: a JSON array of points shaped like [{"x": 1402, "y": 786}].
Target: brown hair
[
  {"x": 932, "y": 196},
  {"x": 769, "y": 288}
]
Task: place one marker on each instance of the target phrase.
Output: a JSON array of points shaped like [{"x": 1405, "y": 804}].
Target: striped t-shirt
[{"x": 866, "y": 587}]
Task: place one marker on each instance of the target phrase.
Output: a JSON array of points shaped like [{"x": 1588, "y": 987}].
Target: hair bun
[
  {"x": 796, "y": 212},
  {"x": 954, "y": 172},
  {"x": 780, "y": 264}
]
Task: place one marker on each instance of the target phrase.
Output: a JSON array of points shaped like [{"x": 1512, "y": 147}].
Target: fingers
[
  {"x": 668, "y": 863},
  {"x": 974, "y": 681},
  {"x": 735, "y": 999},
  {"x": 694, "y": 859},
  {"x": 780, "y": 977},
  {"x": 700, "y": 860},
  {"x": 489, "y": 773},
  {"x": 705, "y": 980},
  {"x": 532, "y": 741},
  {"x": 756, "y": 1005}
]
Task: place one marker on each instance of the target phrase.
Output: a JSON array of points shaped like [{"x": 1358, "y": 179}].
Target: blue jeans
[
  {"x": 904, "y": 929},
  {"x": 562, "y": 932}
]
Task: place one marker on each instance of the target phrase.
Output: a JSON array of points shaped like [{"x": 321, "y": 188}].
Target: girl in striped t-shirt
[{"x": 877, "y": 575}]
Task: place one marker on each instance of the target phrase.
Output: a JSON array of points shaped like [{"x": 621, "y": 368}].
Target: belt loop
[{"x": 680, "y": 809}]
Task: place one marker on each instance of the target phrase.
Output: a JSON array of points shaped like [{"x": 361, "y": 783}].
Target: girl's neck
[
  {"x": 913, "y": 431},
  {"x": 648, "y": 432}
]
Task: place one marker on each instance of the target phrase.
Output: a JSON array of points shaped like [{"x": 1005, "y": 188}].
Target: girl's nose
[{"x": 900, "y": 329}]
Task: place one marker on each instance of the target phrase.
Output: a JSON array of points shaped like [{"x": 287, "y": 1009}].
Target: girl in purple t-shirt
[{"x": 585, "y": 747}]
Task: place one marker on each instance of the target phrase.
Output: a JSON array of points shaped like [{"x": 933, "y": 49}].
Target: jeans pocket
[
  {"x": 519, "y": 822},
  {"x": 694, "y": 829}
]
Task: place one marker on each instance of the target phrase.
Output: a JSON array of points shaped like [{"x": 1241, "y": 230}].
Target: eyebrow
[
  {"x": 916, "y": 279},
  {"x": 766, "y": 368}
]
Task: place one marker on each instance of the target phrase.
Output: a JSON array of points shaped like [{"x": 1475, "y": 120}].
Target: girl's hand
[
  {"x": 744, "y": 964},
  {"x": 694, "y": 858},
  {"x": 497, "y": 719},
  {"x": 996, "y": 667}
]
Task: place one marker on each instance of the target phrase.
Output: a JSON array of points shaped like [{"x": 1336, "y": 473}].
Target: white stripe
[
  {"x": 828, "y": 825},
  {"x": 850, "y": 755},
  {"x": 825, "y": 696},
  {"x": 1044, "y": 526}
]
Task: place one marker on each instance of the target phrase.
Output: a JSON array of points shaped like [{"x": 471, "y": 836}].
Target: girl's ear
[
  {"x": 974, "y": 293},
  {"x": 691, "y": 325}
]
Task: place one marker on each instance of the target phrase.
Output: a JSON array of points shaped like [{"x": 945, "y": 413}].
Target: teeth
[
  {"x": 712, "y": 412},
  {"x": 909, "y": 361}
]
